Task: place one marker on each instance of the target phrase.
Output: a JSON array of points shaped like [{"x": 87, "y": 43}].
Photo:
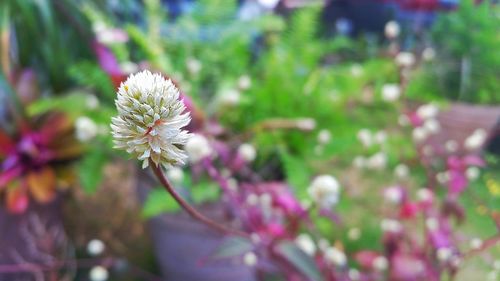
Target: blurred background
[{"x": 397, "y": 101}]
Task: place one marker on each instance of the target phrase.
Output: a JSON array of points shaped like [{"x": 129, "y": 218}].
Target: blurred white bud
[
  {"x": 354, "y": 274},
  {"x": 95, "y": 247},
  {"x": 472, "y": 173},
  {"x": 380, "y": 263},
  {"x": 443, "y": 177},
  {"x": 428, "y": 54},
  {"x": 354, "y": 233},
  {"x": 306, "y": 124},
  {"x": 129, "y": 67},
  {"x": 380, "y": 137},
  {"x": 476, "y": 243},
  {"x": 193, "y": 66},
  {"x": 91, "y": 101},
  {"x": 356, "y": 70},
  {"x": 432, "y": 224},
  {"x": 444, "y": 254},
  {"x": 198, "y": 148},
  {"x": 401, "y": 171},
  {"x": 393, "y": 195},
  {"x": 492, "y": 276},
  {"x": 377, "y": 161},
  {"x": 229, "y": 97},
  {"x": 85, "y": 129},
  {"x": 419, "y": 134},
  {"x": 324, "y": 136},
  {"x": 324, "y": 190},
  {"x": 427, "y": 150},
  {"x": 365, "y": 137},
  {"x": 403, "y": 120},
  {"x": 244, "y": 82},
  {"x": 432, "y": 126},
  {"x": 427, "y": 111},
  {"x": 390, "y": 225},
  {"x": 252, "y": 199},
  {"x": 405, "y": 59},
  {"x": 306, "y": 244},
  {"x": 476, "y": 140},
  {"x": 232, "y": 184},
  {"x": 424, "y": 195},
  {"x": 391, "y": 29},
  {"x": 98, "y": 273},
  {"x": 390, "y": 92},
  {"x": 175, "y": 174},
  {"x": 247, "y": 152},
  {"x": 496, "y": 265},
  {"x": 250, "y": 259},
  {"x": 451, "y": 146},
  {"x": 335, "y": 256},
  {"x": 359, "y": 162}
]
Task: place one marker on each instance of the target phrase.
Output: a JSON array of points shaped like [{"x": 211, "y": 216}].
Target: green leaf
[
  {"x": 73, "y": 104},
  {"x": 233, "y": 246},
  {"x": 297, "y": 174},
  {"x": 90, "y": 169},
  {"x": 158, "y": 202},
  {"x": 205, "y": 192},
  {"x": 302, "y": 262}
]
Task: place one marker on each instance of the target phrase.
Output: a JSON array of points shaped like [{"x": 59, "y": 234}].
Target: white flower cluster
[
  {"x": 150, "y": 120},
  {"x": 390, "y": 92},
  {"x": 325, "y": 191},
  {"x": 428, "y": 114}
]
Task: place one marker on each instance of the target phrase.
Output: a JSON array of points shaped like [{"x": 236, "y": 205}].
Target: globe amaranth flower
[
  {"x": 324, "y": 190},
  {"x": 150, "y": 120}
]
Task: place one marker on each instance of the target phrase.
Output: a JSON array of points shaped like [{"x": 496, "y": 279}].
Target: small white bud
[
  {"x": 432, "y": 224},
  {"x": 335, "y": 256},
  {"x": 250, "y": 259},
  {"x": 354, "y": 233},
  {"x": 427, "y": 111},
  {"x": 85, "y": 129},
  {"x": 380, "y": 137},
  {"x": 193, "y": 66},
  {"x": 419, "y": 134},
  {"x": 444, "y": 254},
  {"x": 451, "y": 146},
  {"x": 306, "y": 244},
  {"x": 354, "y": 274},
  {"x": 356, "y": 70},
  {"x": 476, "y": 140},
  {"x": 391, "y": 29},
  {"x": 175, "y": 174},
  {"x": 472, "y": 173},
  {"x": 380, "y": 263},
  {"x": 393, "y": 195},
  {"x": 432, "y": 126},
  {"x": 95, "y": 247},
  {"x": 405, "y": 59},
  {"x": 476, "y": 243},
  {"x": 198, "y": 148},
  {"x": 244, "y": 82},
  {"x": 390, "y": 92},
  {"x": 359, "y": 162},
  {"x": 428, "y": 54},
  {"x": 247, "y": 152},
  {"x": 252, "y": 199},
  {"x": 324, "y": 190},
  {"x": 390, "y": 225},
  {"x": 98, "y": 273},
  {"x": 401, "y": 171},
  {"x": 92, "y": 102},
  {"x": 324, "y": 136}
]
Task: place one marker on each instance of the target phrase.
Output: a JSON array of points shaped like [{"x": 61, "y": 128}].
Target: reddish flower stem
[{"x": 188, "y": 208}]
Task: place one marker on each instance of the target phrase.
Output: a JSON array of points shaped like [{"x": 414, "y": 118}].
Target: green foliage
[
  {"x": 50, "y": 36},
  {"x": 467, "y": 64},
  {"x": 158, "y": 202},
  {"x": 90, "y": 169},
  {"x": 92, "y": 76},
  {"x": 303, "y": 262}
]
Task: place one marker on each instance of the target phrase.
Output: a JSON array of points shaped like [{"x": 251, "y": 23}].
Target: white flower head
[
  {"x": 365, "y": 137},
  {"x": 377, "y": 161},
  {"x": 393, "y": 195},
  {"x": 401, "y": 171},
  {"x": 98, "y": 273},
  {"x": 391, "y": 29},
  {"x": 95, "y": 247},
  {"x": 428, "y": 54},
  {"x": 432, "y": 126},
  {"x": 476, "y": 243},
  {"x": 175, "y": 174},
  {"x": 359, "y": 162},
  {"x": 390, "y": 225},
  {"x": 380, "y": 263},
  {"x": 247, "y": 152},
  {"x": 250, "y": 259},
  {"x": 244, "y": 82},
  {"x": 420, "y": 134},
  {"x": 476, "y": 140},
  {"x": 472, "y": 173},
  {"x": 85, "y": 129},
  {"x": 444, "y": 254},
  {"x": 150, "y": 120},
  {"x": 306, "y": 244},
  {"x": 335, "y": 256},
  {"x": 229, "y": 97},
  {"x": 324, "y": 136},
  {"x": 354, "y": 233},
  {"x": 451, "y": 146},
  {"x": 405, "y": 59},
  {"x": 390, "y": 92},
  {"x": 193, "y": 66},
  {"x": 324, "y": 190},
  {"x": 427, "y": 111},
  {"x": 198, "y": 148}
]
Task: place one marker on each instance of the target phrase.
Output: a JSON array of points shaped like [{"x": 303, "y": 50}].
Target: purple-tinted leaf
[
  {"x": 300, "y": 260},
  {"x": 233, "y": 246}
]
